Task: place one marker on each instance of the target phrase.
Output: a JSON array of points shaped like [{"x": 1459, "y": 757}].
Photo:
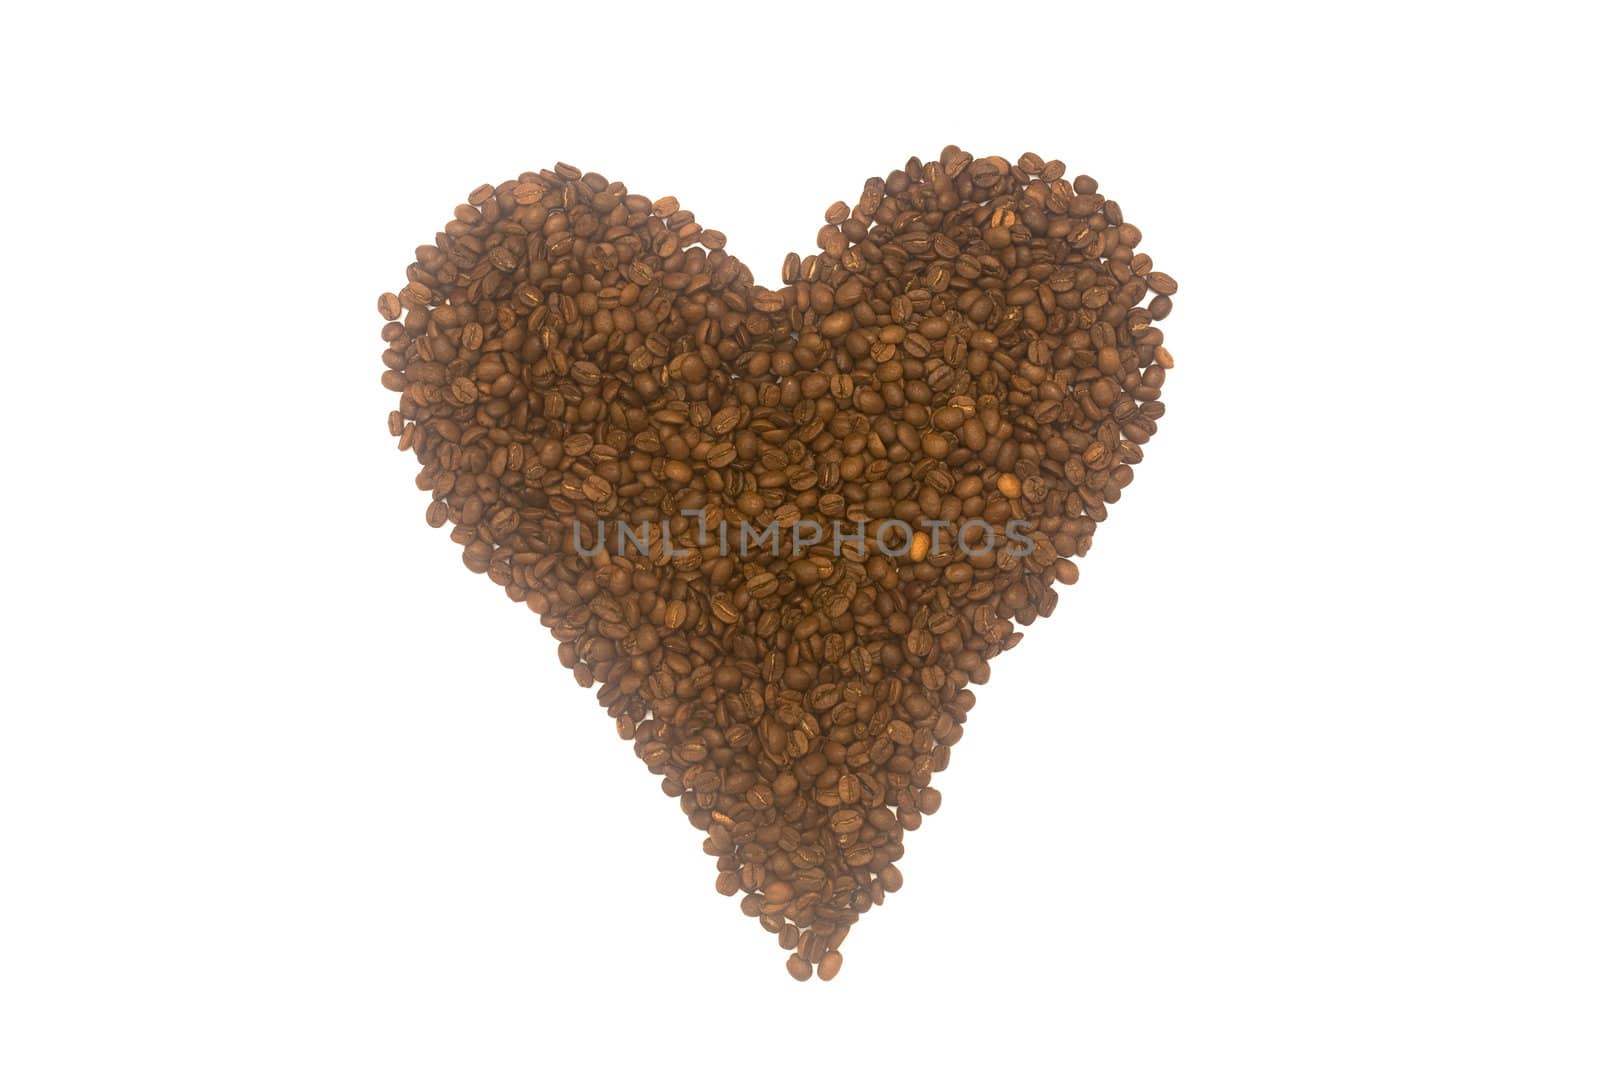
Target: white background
[{"x": 1302, "y": 771}]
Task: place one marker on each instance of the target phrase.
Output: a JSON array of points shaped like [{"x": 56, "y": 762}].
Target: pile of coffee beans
[{"x": 919, "y": 431}]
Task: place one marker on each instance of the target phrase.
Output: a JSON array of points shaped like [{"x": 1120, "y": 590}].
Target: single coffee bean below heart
[{"x": 785, "y": 530}]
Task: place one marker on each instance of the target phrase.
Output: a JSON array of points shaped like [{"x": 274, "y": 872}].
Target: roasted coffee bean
[
  {"x": 784, "y": 531},
  {"x": 1160, "y": 283}
]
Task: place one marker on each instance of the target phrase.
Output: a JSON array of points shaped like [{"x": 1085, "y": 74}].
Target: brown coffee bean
[
  {"x": 798, "y": 968},
  {"x": 845, "y": 822},
  {"x": 1161, "y": 283},
  {"x": 836, "y": 325},
  {"x": 828, "y": 968}
]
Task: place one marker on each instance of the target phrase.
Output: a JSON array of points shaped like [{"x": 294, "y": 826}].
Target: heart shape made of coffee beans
[{"x": 785, "y": 530}]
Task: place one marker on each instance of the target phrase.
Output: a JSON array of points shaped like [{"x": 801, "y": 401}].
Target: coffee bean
[
  {"x": 1161, "y": 283},
  {"x": 836, "y": 325},
  {"x": 845, "y": 822},
  {"x": 777, "y": 528}
]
